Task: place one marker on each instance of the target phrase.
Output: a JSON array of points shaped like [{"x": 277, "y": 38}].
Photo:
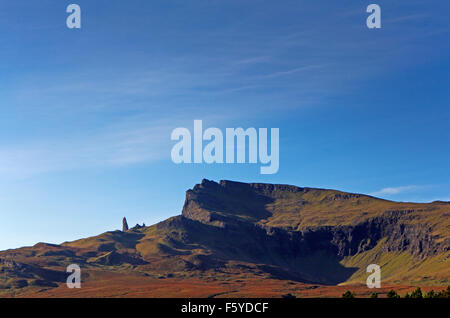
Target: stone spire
[{"x": 124, "y": 225}]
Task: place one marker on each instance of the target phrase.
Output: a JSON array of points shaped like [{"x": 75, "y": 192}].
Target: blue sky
[{"x": 86, "y": 115}]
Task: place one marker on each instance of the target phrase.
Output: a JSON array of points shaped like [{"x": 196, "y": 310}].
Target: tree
[
  {"x": 430, "y": 294},
  {"x": 348, "y": 294},
  {"x": 374, "y": 295},
  {"x": 417, "y": 293},
  {"x": 442, "y": 294},
  {"x": 392, "y": 294}
]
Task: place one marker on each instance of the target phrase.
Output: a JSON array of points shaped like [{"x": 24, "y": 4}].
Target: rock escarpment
[{"x": 259, "y": 208}]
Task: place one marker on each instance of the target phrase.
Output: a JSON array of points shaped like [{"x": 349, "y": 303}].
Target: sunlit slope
[
  {"x": 231, "y": 231},
  {"x": 399, "y": 267}
]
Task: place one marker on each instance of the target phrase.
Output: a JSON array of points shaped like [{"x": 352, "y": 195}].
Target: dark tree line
[{"x": 417, "y": 293}]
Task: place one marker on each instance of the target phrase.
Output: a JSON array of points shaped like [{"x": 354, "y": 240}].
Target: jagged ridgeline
[{"x": 229, "y": 231}]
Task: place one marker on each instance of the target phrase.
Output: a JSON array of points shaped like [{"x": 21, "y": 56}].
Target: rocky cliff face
[{"x": 241, "y": 207}]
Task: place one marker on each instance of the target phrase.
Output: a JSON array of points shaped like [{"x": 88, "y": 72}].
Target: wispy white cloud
[
  {"x": 128, "y": 143},
  {"x": 309, "y": 63},
  {"x": 398, "y": 190},
  {"x": 132, "y": 140},
  {"x": 292, "y": 71},
  {"x": 254, "y": 60}
]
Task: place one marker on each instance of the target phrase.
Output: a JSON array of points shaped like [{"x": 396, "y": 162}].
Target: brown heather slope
[{"x": 238, "y": 240}]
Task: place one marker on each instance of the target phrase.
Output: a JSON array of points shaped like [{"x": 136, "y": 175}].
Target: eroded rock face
[
  {"x": 227, "y": 201},
  {"x": 417, "y": 239},
  {"x": 240, "y": 207}
]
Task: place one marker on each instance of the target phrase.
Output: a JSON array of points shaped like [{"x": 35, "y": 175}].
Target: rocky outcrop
[
  {"x": 210, "y": 201},
  {"x": 124, "y": 225},
  {"x": 138, "y": 226}
]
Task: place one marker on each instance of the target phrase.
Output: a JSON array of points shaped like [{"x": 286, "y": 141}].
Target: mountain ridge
[{"x": 234, "y": 231}]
